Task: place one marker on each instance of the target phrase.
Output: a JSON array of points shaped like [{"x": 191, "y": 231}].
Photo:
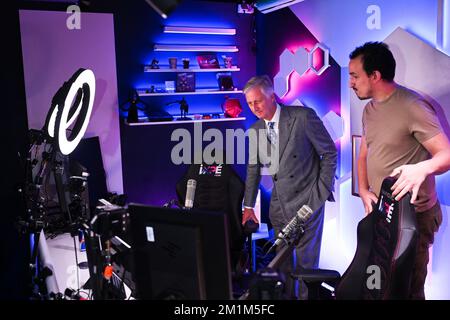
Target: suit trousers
[{"x": 306, "y": 255}]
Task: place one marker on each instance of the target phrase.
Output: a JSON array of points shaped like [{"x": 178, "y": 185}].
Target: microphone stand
[
  {"x": 282, "y": 255},
  {"x": 36, "y": 219},
  {"x": 286, "y": 251}
]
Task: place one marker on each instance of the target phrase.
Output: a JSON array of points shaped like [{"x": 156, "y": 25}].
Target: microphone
[
  {"x": 296, "y": 224},
  {"x": 190, "y": 194}
]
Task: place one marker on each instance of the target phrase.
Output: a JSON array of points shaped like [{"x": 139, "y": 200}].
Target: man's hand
[
  {"x": 411, "y": 178},
  {"x": 368, "y": 198},
  {"x": 249, "y": 214}
]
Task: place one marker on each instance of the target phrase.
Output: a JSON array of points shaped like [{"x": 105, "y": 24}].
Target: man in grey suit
[{"x": 305, "y": 173}]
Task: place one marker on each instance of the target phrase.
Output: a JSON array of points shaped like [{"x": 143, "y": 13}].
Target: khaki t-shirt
[{"x": 394, "y": 130}]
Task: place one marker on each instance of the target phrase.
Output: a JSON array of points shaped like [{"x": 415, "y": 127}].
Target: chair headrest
[
  {"x": 395, "y": 213},
  {"x": 397, "y": 217}
]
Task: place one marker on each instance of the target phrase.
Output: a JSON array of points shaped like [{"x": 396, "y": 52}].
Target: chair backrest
[
  {"x": 218, "y": 188},
  {"x": 382, "y": 266}
]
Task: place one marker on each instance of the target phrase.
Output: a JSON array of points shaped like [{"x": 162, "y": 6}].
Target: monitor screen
[{"x": 179, "y": 254}]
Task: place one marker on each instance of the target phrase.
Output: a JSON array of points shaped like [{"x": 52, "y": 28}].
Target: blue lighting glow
[{"x": 200, "y": 30}]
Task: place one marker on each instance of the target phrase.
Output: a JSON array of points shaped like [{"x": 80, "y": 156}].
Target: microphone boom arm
[{"x": 285, "y": 252}]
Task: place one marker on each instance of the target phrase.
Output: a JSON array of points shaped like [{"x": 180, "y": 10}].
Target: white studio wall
[
  {"x": 427, "y": 70},
  {"x": 359, "y": 21},
  {"x": 53, "y": 49}
]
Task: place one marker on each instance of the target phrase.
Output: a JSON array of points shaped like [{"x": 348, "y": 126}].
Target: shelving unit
[
  {"x": 166, "y": 69},
  {"x": 143, "y": 122}
]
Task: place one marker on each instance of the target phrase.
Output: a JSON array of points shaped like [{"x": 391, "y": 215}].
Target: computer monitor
[{"x": 179, "y": 254}]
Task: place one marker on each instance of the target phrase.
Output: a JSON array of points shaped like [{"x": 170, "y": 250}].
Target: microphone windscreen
[
  {"x": 190, "y": 193},
  {"x": 304, "y": 213}
]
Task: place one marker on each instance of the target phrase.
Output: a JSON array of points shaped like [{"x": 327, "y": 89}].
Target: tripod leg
[
  {"x": 252, "y": 254},
  {"x": 47, "y": 265},
  {"x": 34, "y": 253}
]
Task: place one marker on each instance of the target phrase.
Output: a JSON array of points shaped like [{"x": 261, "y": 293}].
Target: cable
[
  {"x": 123, "y": 278},
  {"x": 84, "y": 292},
  {"x": 264, "y": 246}
]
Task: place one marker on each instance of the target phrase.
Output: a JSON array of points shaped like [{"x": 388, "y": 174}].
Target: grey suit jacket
[{"x": 307, "y": 165}]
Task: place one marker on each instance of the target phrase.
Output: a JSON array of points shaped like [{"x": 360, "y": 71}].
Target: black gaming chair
[
  {"x": 386, "y": 247},
  {"x": 220, "y": 189}
]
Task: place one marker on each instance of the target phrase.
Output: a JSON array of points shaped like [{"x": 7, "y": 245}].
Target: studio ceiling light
[{"x": 267, "y": 6}]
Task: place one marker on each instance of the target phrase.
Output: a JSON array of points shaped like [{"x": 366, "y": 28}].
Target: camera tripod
[{"x": 43, "y": 279}]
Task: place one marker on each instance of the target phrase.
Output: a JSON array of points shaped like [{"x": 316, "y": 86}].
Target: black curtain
[{"x": 14, "y": 248}]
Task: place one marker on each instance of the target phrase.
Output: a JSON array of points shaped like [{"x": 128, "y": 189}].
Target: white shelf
[
  {"x": 142, "y": 93},
  {"x": 184, "y": 48},
  {"x": 192, "y": 70},
  {"x": 148, "y": 123},
  {"x": 200, "y": 30}
]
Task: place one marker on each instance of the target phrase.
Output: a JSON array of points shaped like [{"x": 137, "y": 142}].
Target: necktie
[{"x": 271, "y": 134}]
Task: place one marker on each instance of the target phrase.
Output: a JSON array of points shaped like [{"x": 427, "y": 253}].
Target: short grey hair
[{"x": 263, "y": 82}]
